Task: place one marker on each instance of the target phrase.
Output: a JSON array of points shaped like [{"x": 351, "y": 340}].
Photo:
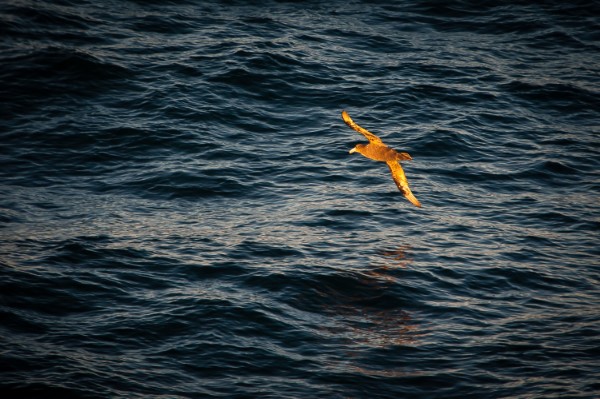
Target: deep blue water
[{"x": 180, "y": 217}]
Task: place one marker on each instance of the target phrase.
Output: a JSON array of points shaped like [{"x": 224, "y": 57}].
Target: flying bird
[{"x": 378, "y": 151}]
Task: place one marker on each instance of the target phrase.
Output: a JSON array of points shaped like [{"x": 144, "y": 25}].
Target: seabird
[{"x": 378, "y": 151}]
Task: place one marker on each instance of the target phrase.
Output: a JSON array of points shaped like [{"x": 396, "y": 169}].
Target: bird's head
[{"x": 358, "y": 148}]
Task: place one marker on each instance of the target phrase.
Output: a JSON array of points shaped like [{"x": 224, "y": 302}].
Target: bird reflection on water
[
  {"x": 397, "y": 257},
  {"x": 365, "y": 315}
]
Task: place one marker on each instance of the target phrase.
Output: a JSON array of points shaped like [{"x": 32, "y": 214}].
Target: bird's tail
[{"x": 404, "y": 156}]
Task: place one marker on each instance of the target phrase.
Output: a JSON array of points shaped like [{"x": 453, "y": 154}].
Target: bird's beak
[{"x": 352, "y": 150}]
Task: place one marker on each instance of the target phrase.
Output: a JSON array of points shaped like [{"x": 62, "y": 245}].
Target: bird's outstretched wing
[
  {"x": 370, "y": 136},
  {"x": 400, "y": 180}
]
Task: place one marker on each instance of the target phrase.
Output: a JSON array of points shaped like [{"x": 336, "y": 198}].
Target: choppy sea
[{"x": 180, "y": 217}]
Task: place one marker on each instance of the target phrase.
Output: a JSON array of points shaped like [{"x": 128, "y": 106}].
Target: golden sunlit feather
[
  {"x": 370, "y": 136},
  {"x": 378, "y": 151}
]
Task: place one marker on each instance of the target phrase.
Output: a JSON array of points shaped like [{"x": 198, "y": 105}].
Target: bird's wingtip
[
  {"x": 345, "y": 116},
  {"x": 413, "y": 200}
]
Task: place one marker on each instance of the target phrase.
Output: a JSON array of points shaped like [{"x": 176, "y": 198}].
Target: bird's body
[
  {"x": 378, "y": 151},
  {"x": 382, "y": 153}
]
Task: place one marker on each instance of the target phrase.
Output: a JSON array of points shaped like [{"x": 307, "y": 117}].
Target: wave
[
  {"x": 52, "y": 75},
  {"x": 180, "y": 215}
]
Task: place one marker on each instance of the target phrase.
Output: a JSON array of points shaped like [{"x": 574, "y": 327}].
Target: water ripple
[{"x": 179, "y": 214}]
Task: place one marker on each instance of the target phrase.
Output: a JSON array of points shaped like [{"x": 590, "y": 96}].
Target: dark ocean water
[{"x": 180, "y": 217}]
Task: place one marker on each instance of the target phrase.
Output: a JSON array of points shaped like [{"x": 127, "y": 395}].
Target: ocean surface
[{"x": 180, "y": 216}]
